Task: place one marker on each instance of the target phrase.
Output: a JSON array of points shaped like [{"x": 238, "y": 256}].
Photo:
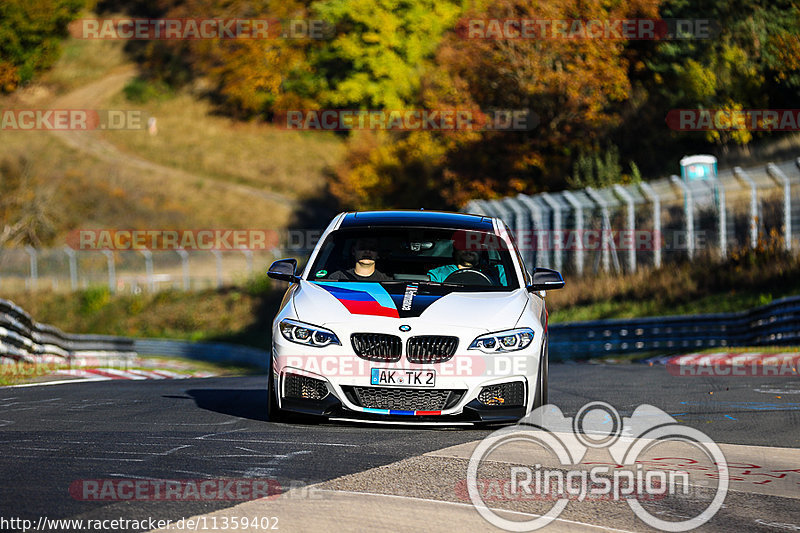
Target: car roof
[{"x": 427, "y": 219}]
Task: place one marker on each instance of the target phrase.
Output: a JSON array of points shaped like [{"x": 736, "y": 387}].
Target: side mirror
[
  {"x": 545, "y": 279},
  {"x": 284, "y": 270}
]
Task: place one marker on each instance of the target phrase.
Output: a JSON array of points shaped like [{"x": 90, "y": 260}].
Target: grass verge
[
  {"x": 21, "y": 373},
  {"x": 240, "y": 315}
]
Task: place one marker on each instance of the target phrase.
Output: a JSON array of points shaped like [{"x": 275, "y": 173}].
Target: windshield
[{"x": 458, "y": 258}]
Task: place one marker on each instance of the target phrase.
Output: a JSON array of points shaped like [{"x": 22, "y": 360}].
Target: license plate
[{"x": 403, "y": 378}]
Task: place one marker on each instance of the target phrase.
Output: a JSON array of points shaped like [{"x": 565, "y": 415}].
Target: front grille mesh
[
  {"x": 377, "y": 346},
  {"x": 431, "y": 348},
  {"x": 503, "y": 395},
  {"x": 406, "y": 399},
  {"x": 304, "y": 387}
]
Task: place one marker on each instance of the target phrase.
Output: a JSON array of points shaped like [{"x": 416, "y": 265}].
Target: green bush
[
  {"x": 94, "y": 299},
  {"x": 141, "y": 91},
  {"x": 30, "y": 37}
]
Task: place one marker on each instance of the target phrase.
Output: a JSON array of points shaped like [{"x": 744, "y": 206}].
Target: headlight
[
  {"x": 503, "y": 341},
  {"x": 295, "y": 331}
]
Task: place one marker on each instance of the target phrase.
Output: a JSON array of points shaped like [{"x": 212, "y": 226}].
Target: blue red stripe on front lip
[{"x": 399, "y": 412}]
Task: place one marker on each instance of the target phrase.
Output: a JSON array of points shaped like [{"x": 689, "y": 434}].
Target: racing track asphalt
[{"x": 51, "y": 436}]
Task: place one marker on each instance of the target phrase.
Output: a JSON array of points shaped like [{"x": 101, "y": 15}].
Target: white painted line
[
  {"x": 273, "y": 455},
  {"x": 283, "y": 442},
  {"x": 202, "y": 437},
  {"x": 78, "y": 458}
]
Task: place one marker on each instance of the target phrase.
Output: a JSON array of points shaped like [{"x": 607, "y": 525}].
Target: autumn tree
[
  {"x": 749, "y": 59},
  {"x": 30, "y": 36},
  {"x": 246, "y": 77},
  {"x": 569, "y": 86},
  {"x": 380, "y": 50}
]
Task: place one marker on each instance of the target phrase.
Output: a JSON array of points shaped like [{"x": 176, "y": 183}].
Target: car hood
[{"x": 324, "y": 303}]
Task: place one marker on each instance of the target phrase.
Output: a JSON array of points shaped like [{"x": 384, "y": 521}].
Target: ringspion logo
[{"x": 568, "y": 439}]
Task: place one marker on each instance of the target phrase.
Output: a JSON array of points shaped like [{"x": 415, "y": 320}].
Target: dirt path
[{"x": 95, "y": 95}]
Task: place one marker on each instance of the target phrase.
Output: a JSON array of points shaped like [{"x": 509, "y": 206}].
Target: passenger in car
[{"x": 365, "y": 253}]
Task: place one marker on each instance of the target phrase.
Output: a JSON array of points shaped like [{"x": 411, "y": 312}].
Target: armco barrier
[
  {"x": 23, "y": 339},
  {"x": 777, "y": 323}
]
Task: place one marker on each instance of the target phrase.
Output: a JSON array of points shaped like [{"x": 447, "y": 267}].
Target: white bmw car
[{"x": 411, "y": 316}]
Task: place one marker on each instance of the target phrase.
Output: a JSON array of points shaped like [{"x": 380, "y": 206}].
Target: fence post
[
  {"x": 528, "y": 214},
  {"x": 723, "y": 221},
  {"x": 486, "y": 208},
  {"x": 742, "y": 175},
  {"x": 628, "y": 199},
  {"x": 474, "y": 207},
  {"x": 73, "y": 267},
  {"x": 248, "y": 256},
  {"x": 576, "y": 206},
  {"x": 651, "y": 195},
  {"x": 606, "y": 247},
  {"x": 112, "y": 273},
  {"x": 184, "y": 255},
  {"x": 33, "y": 280},
  {"x": 555, "y": 239},
  {"x": 218, "y": 256},
  {"x": 148, "y": 269},
  {"x": 688, "y": 207},
  {"x": 778, "y": 176},
  {"x": 504, "y": 213}
]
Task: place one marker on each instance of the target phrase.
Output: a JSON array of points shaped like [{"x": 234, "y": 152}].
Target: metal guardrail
[
  {"x": 777, "y": 323},
  {"x": 22, "y": 339}
]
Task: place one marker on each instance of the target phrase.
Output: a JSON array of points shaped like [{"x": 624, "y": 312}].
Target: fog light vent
[
  {"x": 304, "y": 387},
  {"x": 503, "y": 395}
]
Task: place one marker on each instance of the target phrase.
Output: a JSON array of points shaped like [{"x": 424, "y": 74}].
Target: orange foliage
[
  {"x": 9, "y": 77},
  {"x": 571, "y": 87},
  {"x": 246, "y": 74}
]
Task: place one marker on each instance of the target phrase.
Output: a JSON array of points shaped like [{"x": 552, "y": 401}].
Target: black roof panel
[{"x": 428, "y": 219}]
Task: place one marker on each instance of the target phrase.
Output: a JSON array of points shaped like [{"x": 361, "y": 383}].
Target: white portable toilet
[{"x": 698, "y": 167}]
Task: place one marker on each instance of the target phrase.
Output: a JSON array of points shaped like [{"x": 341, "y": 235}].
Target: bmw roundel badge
[{"x": 405, "y": 327}]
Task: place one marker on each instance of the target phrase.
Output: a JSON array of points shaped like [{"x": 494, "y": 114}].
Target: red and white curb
[{"x": 115, "y": 373}]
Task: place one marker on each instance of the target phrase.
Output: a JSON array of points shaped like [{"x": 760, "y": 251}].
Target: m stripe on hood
[{"x": 362, "y": 298}]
